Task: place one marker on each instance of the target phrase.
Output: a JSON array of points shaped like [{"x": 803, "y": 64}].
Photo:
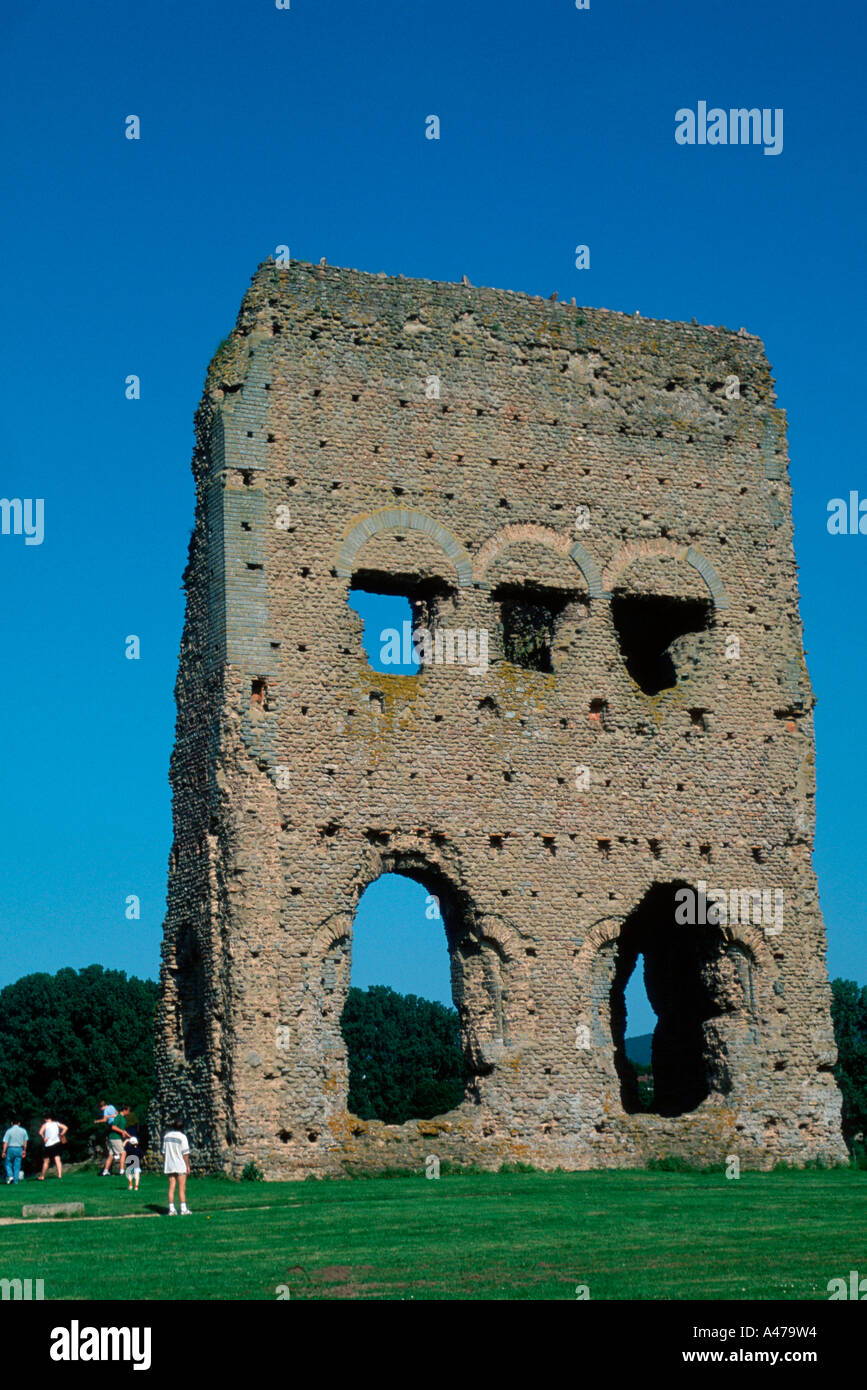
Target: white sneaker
[
  {"x": 173, "y": 1210},
  {"x": 185, "y": 1211}
]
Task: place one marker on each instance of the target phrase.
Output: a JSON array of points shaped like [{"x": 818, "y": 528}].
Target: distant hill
[{"x": 638, "y": 1049}]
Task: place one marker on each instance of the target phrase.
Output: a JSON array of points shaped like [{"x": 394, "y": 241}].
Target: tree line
[{"x": 70, "y": 1039}]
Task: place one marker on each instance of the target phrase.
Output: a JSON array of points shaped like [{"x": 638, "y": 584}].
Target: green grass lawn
[{"x": 644, "y": 1235}]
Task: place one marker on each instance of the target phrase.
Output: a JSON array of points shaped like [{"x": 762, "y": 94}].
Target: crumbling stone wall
[{"x": 625, "y": 481}]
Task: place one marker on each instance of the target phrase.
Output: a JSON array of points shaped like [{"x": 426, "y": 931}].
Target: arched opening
[
  {"x": 652, "y": 630},
  {"x": 405, "y": 1047},
  {"x": 389, "y": 623},
  {"x": 529, "y": 618},
  {"x": 398, "y": 611},
  {"x": 685, "y": 972},
  {"x": 399, "y": 939}
]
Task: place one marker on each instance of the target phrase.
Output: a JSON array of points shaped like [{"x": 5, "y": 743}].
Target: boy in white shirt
[{"x": 176, "y": 1149}]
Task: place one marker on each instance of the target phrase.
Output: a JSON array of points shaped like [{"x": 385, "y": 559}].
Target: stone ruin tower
[{"x": 607, "y": 497}]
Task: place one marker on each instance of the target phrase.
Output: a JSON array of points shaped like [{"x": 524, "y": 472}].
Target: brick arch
[
  {"x": 436, "y": 866},
  {"x": 602, "y": 932},
  {"x": 703, "y": 566},
  {"x": 505, "y": 937},
  {"x": 749, "y": 939},
  {"x": 589, "y": 568},
  {"x": 593, "y": 1013},
  {"x": 331, "y": 932},
  {"x": 403, "y": 519},
  {"x": 517, "y": 534},
  {"x": 501, "y": 943},
  {"x": 649, "y": 550},
  {"x": 609, "y": 929}
]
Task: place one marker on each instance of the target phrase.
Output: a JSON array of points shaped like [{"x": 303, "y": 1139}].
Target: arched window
[
  {"x": 401, "y": 1029},
  {"x": 684, "y": 984},
  {"x": 397, "y": 612},
  {"x": 653, "y": 633}
]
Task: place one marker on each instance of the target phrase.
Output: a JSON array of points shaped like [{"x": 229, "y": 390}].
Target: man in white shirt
[
  {"x": 176, "y": 1151},
  {"x": 53, "y": 1136}
]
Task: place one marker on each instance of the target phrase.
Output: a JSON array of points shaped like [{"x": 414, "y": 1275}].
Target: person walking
[
  {"x": 118, "y": 1134},
  {"x": 53, "y": 1135},
  {"x": 176, "y": 1149},
  {"x": 115, "y": 1142},
  {"x": 14, "y": 1150}
]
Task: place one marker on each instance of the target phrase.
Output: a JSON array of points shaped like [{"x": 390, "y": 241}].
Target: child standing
[
  {"x": 132, "y": 1153},
  {"x": 176, "y": 1148}
]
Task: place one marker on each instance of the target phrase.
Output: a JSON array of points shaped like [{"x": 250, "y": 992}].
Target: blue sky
[{"x": 261, "y": 127}]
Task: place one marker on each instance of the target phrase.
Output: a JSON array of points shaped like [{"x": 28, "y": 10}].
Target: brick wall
[{"x": 325, "y": 451}]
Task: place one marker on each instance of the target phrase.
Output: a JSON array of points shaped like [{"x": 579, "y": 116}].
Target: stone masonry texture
[{"x": 441, "y": 441}]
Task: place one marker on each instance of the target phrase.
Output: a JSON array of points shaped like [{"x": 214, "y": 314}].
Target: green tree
[
  {"x": 405, "y": 1056},
  {"x": 849, "y": 1014},
  {"x": 71, "y": 1039}
]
